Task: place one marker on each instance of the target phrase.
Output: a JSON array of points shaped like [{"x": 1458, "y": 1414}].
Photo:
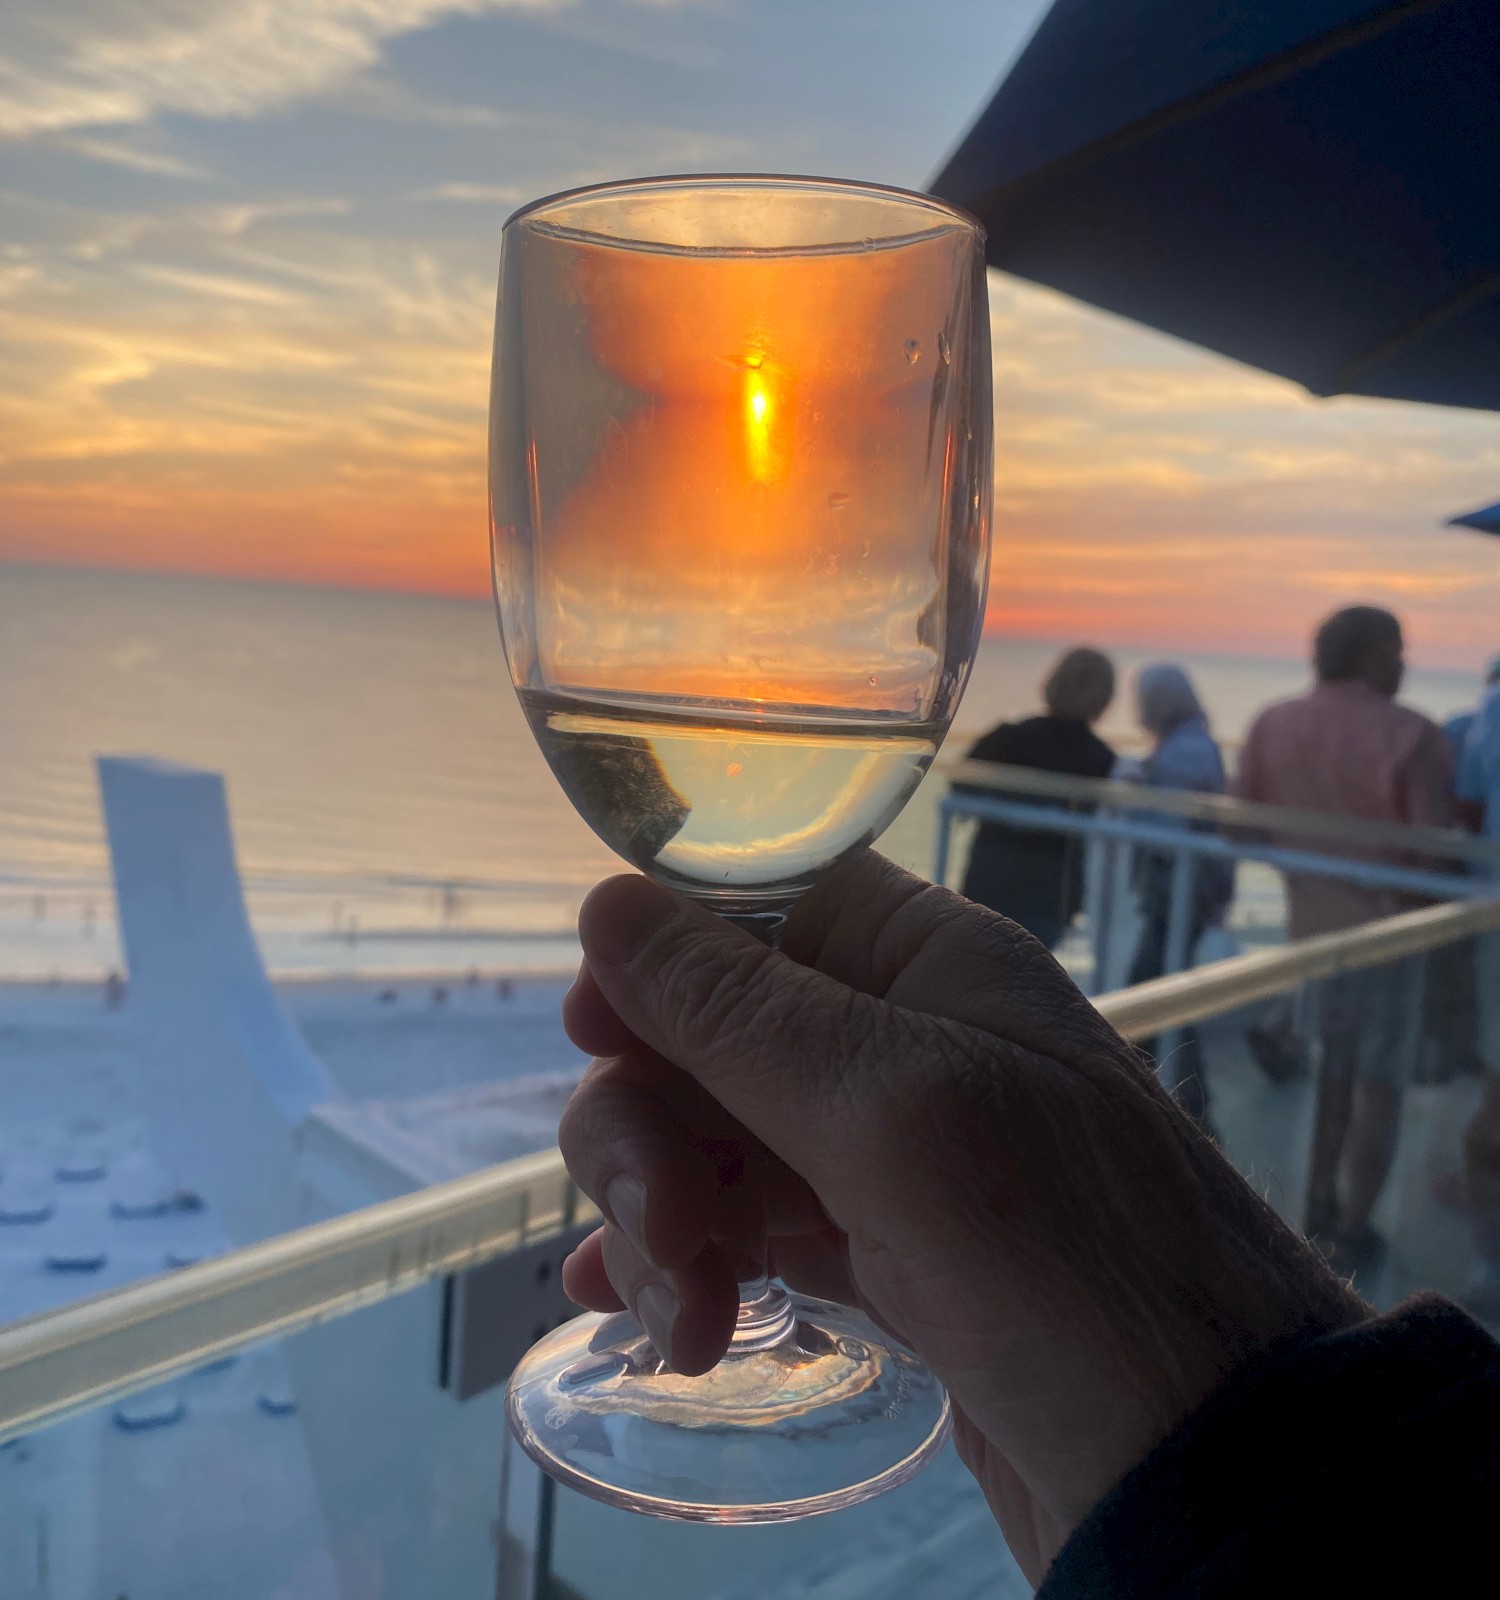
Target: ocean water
[{"x": 390, "y": 808}]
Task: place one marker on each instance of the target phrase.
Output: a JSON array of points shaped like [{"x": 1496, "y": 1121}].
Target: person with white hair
[{"x": 1184, "y": 756}]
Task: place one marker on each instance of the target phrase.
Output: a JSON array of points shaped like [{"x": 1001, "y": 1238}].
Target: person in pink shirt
[{"x": 1346, "y": 746}]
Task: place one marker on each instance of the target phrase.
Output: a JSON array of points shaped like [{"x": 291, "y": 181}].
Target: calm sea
[{"x": 390, "y": 808}]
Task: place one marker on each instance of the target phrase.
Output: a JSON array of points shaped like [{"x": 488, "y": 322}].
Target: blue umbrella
[
  {"x": 1485, "y": 520},
  {"x": 1309, "y": 186}
]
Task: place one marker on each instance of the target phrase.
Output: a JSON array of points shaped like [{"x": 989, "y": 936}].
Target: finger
[
  {"x": 787, "y": 1051},
  {"x": 887, "y": 933},
  {"x": 590, "y": 1023},
  {"x": 699, "y": 1172},
  {"x": 629, "y": 1153},
  {"x": 688, "y": 1313},
  {"x": 585, "y": 1280}
]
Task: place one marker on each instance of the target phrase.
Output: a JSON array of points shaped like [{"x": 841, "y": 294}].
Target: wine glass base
[{"x": 831, "y": 1415}]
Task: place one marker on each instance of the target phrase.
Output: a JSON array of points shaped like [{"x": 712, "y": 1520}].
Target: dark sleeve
[
  {"x": 999, "y": 744},
  {"x": 1102, "y": 761},
  {"x": 1364, "y": 1463}
]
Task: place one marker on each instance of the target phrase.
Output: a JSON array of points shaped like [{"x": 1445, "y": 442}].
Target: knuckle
[{"x": 718, "y": 1004}]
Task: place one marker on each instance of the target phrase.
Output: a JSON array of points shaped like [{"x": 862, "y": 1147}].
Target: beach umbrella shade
[
  {"x": 1308, "y": 186},
  {"x": 1485, "y": 520}
]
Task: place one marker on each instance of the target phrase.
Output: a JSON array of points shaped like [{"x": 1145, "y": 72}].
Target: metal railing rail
[
  {"x": 113, "y": 1344},
  {"x": 1226, "y": 812},
  {"x": 103, "y": 1348},
  {"x": 1132, "y": 830},
  {"x": 1182, "y": 998}
]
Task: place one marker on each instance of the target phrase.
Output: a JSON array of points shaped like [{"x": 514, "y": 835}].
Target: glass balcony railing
[{"x": 318, "y": 1416}]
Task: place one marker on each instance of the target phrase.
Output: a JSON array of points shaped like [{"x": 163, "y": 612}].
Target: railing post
[
  {"x": 945, "y": 829},
  {"x": 546, "y": 1523},
  {"x": 1177, "y": 953},
  {"x": 1180, "y": 912},
  {"x": 1102, "y": 911}
]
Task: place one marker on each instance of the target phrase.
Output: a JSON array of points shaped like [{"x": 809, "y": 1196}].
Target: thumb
[{"x": 785, "y": 1050}]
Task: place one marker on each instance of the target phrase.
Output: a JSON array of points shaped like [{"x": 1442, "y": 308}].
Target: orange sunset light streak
[{"x": 758, "y": 411}]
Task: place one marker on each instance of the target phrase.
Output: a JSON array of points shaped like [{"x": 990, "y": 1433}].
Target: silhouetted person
[
  {"x": 1346, "y": 746},
  {"x": 1032, "y": 876}
]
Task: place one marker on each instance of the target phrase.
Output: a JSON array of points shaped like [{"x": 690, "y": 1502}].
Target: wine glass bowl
[
  {"x": 740, "y": 485},
  {"x": 740, "y": 456}
]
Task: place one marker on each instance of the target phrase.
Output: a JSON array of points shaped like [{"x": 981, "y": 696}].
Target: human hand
[{"x": 937, "y": 1127}]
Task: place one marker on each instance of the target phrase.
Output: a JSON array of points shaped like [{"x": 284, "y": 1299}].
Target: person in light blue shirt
[
  {"x": 1451, "y": 1006},
  {"x": 1457, "y": 726},
  {"x": 1478, "y": 788},
  {"x": 1478, "y": 793}
]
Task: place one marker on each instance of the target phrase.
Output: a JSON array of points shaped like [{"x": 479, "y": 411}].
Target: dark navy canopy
[
  {"x": 1310, "y": 186},
  {"x": 1485, "y": 520}
]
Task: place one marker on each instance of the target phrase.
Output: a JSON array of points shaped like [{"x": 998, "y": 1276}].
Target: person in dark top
[
  {"x": 1164, "y": 1392},
  {"x": 1029, "y": 875}
]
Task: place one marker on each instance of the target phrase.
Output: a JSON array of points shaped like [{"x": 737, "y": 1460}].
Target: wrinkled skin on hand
[{"x": 932, "y": 1124}]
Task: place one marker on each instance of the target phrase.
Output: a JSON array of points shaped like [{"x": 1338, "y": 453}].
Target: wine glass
[{"x": 740, "y": 490}]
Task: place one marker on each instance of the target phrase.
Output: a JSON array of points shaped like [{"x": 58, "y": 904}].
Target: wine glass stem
[{"x": 765, "y": 1315}]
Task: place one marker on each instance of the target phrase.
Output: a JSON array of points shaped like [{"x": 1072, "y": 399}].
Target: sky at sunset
[{"x": 247, "y": 257}]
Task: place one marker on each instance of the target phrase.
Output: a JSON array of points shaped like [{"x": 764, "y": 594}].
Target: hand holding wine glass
[{"x": 947, "y": 1135}]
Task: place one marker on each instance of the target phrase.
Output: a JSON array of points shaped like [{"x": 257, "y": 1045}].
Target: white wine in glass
[{"x": 740, "y": 475}]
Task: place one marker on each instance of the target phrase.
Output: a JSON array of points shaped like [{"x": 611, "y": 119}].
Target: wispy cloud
[
  {"x": 476, "y": 193},
  {"x": 235, "y": 220},
  {"x": 159, "y": 163},
  {"x": 113, "y": 63},
  {"x": 245, "y": 291}
]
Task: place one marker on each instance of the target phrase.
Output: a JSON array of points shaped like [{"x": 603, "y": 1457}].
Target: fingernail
[
  {"x": 625, "y": 1200},
  {"x": 620, "y": 918},
  {"x": 657, "y": 1310}
]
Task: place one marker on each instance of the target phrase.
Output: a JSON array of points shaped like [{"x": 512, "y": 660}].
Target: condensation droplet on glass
[
  {"x": 913, "y": 349},
  {"x": 864, "y": 550},
  {"x": 755, "y": 360},
  {"x": 838, "y": 500},
  {"x": 871, "y": 680},
  {"x": 943, "y": 352},
  {"x": 867, "y": 244}
]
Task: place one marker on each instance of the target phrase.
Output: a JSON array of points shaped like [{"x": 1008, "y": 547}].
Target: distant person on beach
[
  {"x": 1032, "y": 876},
  {"x": 1184, "y": 756},
  {"x": 1346, "y": 746},
  {"x": 1164, "y": 1392}
]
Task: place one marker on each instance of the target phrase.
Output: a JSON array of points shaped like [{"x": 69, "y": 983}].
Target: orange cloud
[{"x": 268, "y": 394}]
